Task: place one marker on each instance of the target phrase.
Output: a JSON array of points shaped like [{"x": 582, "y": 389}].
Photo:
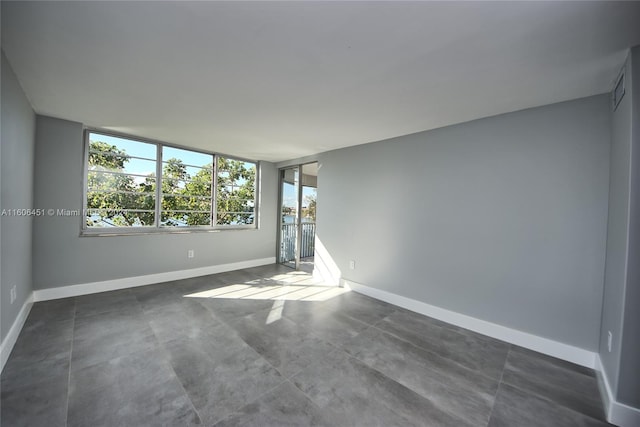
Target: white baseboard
[
  {"x": 617, "y": 413},
  {"x": 12, "y": 336},
  {"x": 149, "y": 279},
  {"x": 533, "y": 342}
]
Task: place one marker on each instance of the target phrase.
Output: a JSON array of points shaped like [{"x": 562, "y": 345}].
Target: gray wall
[
  {"x": 620, "y": 313},
  {"x": 62, "y": 257},
  {"x": 629, "y": 385},
  {"x": 617, "y": 234},
  {"x": 503, "y": 219},
  {"x": 16, "y": 153}
]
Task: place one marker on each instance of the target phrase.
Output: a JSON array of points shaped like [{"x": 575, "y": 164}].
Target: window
[
  {"x": 133, "y": 185},
  {"x": 120, "y": 183},
  {"x": 187, "y": 183},
  {"x": 236, "y": 192}
]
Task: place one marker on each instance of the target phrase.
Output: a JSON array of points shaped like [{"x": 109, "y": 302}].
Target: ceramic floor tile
[
  {"x": 137, "y": 389},
  {"x": 105, "y": 302},
  {"x": 59, "y": 309},
  {"x": 39, "y": 354},
  {"x": 211, "y": 344},
  {"x": 199, "y": 284},
  {"x": 231, "y": 308},
  {"x": 515, "y": 407},
  {"x": 454, "y": 389},
  {"x": 563, "y": 383},
  {"x": 40, "y": 334},
  {"x": 287, "y": 346},
  {"x": 187, "y": 318},
  {"x": 360, "y": 307},
  {"x": 235, "y": 277},
  {"x": 107, "y": 324},
  {"x": 243, "y": 348},
  {"x": 284, "y": 406},
  {"x": 218, "y": 389},
  {"x": 110, "y": 335},
  {"x": 351, "y": 393},
  {"x": 472, "y": 350},
  {"x": 42, "y": 403},
  {"x": 330, "y": 326},
  {"x": 268, "y": 271},
  {"x": 157, "y": 296}
]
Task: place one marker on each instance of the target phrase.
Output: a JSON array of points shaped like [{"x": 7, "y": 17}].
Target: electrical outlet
[
  {"x": 13, "y": 294},
  {"x": 609, "y": 340},
  {"x": 352, "y": 265},
  {"x": 191, "y": 253}
]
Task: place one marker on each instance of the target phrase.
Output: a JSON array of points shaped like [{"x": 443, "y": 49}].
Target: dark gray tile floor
[{"x": 260, "y": 347}]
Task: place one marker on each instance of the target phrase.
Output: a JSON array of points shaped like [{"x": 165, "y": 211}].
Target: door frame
[{"x": 298, "y": 219}]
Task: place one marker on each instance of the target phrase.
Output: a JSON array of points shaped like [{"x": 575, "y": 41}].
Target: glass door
[{"x": 290, "y": 194}]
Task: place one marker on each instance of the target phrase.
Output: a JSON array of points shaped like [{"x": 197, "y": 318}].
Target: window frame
[{"x": 157, "y": 228}]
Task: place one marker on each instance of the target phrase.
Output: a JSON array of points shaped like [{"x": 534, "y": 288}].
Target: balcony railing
[{"x": 288, "y": 241}]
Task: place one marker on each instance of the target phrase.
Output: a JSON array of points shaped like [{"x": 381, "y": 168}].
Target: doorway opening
[{"x": 297, "y": 219}]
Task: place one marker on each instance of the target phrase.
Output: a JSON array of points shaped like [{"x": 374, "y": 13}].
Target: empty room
[{"x": 320, "y": 213}]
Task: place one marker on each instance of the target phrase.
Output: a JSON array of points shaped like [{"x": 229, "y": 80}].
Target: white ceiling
[{"x": 276, "y": 81}]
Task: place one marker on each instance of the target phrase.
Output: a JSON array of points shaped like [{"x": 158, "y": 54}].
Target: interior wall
[
  {"x": 62, "y": 257},
  {"x": 502, "y": 219},
  {"x": 618, "y": 234},
  {"x": 629, "y": 370},
  {"x": 16, "y": 157}
]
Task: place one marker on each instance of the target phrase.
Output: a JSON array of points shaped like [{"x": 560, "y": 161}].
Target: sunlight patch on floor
[
  {"x": 271, "y": 292},
  {"x": 276, "y": 312}
]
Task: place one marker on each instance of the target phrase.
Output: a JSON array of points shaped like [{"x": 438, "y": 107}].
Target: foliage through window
[
  {"x": 187, "y": 183},
  {"x": 236, "y": 192},
  {"x": 196, "y": 189}
]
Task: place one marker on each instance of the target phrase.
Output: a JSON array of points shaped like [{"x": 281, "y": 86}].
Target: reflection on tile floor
[{"x": 266, "y": 346}]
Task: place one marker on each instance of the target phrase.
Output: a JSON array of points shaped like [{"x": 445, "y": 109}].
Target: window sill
[{"x": 155, "y": 231}]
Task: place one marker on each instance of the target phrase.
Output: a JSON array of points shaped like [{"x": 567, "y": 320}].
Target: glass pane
[
  {"x": 173, "y": 186},
  {"x": 122, "y": 218},
  {"x": 185, "y": 218},
  {"x": 309, "y": 196},
  {"x": 235, "y": 218},
  {"x": 177, "y": 169},
  {"x": 186, "y": 188},
  {"x": 189, "y": 188},
  {"x": 180, "y": 203},
  {"x": 288, "y": 216},
  {"x": 199, "y": 173},
  {"x": 120, "y": 189},
  {"x": 106, "y": 143},
  {"x": 235, "y": 192},
  {"x": 114, "y": 163},
  {"x": 118, "y": 201},
  {"x": 187, "y": 157},
  {"x": 106, "y": 181}
]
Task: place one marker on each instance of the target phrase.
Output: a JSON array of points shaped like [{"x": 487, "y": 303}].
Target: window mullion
[
  {"x": 256, "y": 193},
  {"x": 214, "y": 192},
  {"x": 158, "y": 184},
  {"x": 85, "y": 180}
]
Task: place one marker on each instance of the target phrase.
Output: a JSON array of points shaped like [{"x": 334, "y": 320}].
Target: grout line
[
  {"x": 434, "y": 352},
  {"x": 237, "y": 412},
  {"x": 73, "y": 330},
  {"x": 550, "y": 400},
  {"x": 163, "y": 350},
  {"x": 536, "y": 394},
  {"x": 495, "y": 396},
  {"x": 323, "y": 411}
]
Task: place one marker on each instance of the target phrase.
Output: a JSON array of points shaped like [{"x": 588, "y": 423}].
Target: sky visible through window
[
  {"x": 148, "y": 151},
  {"x": 122, "y": 188},
  {"x": 290, "y": 198}
]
